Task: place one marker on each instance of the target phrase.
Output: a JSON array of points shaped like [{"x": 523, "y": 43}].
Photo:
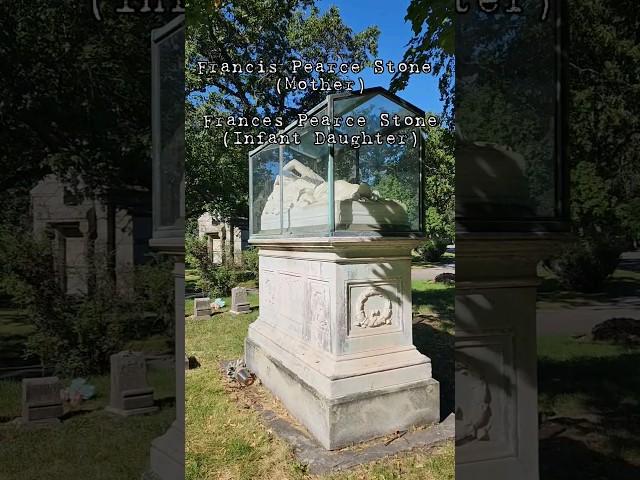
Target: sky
[{"x": 395, "y": 33}]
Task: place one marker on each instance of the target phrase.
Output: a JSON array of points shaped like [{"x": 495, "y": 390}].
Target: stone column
[
  {"x": 496, "y": 358},
  {"x": 167, "y": 451},
  {"x": 334, "y": 337}
]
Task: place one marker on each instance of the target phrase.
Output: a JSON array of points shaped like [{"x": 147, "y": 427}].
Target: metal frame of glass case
[
  {"x": 331, "y": 230},
  {"x": 559, "y": 222},
  {"x": 163, "y": 231}
]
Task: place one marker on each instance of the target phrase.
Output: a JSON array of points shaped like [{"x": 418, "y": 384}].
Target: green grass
[
  {"x": 620, "y": 284},
  {"x": 431, "y": 298},
  {"x": 86, "y": 444},
  {"x": 225, "y": 440},
  {"x": 592, "y": 389}
]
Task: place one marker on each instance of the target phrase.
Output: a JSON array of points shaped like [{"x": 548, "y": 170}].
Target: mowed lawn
[
  {"x": 90, "y": 442},
  {"x": 225, "y": 437},
  {"x": 588, "y": 396}
]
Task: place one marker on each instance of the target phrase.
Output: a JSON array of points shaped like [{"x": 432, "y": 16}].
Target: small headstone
[
  {"x": 202, "y": 307},
  {"x": 239, "y": 301},
  {"x": 130, "y": 393},
  {"x": 41, "y": 400}
]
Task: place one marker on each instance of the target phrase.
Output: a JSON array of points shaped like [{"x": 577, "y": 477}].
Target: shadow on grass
[
  {"x": 599, "y": 441},
  {"x": 440, "y": 300},
  {"x": 437, "y": 344},
  {"x": 567, "y": 459}
]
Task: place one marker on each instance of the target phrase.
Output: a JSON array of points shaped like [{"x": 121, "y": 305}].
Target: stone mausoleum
[
  {"x": 335, "y": 226},
  {"x": 225, "y": 240},
  {"x": 85, "y": 230}
]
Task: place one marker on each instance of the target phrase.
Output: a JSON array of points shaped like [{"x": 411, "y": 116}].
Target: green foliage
[
  {"x": 432, "y": 250},
  {"x": 433, "y": 41},
  {"x": 77, "y": 333},
  {"x": 78, "y": 101},
  {"x": 154, "y": 286},
  {"x": 241, "y": 32},
  {"x": 585, "y": 265},
  {"x": 439, "y": 185},
  {"x": 251, "y": 261},
  {"x": 214, "y": 280}
]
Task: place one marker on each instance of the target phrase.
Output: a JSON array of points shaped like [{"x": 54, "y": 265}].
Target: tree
[
  {"x": 76, "y": 99},
  {"x": 245, "y": 32},
  {"x": 433, "y": 41}
]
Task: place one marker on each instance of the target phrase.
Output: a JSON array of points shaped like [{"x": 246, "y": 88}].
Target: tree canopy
[
  {"x": 244, "y": 32},
  {"x": 76, "y": 98}
]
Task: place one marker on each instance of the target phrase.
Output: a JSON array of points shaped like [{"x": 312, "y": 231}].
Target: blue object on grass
[
  {"x": 80, "y": 385},
  {"x": 219, "y": 302}
]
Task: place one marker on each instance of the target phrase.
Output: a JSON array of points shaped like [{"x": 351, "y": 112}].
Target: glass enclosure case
[
  {"x": 370, "y": 168},
  {"x": 167, "y": 50},
  {"x": 511, "y": 121}
]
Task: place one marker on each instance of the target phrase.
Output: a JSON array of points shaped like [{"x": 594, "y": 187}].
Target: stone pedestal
[
  {"x": 167, "y": 451},
  {"x": 334, "y": 337},
  {"x": 496, "y": 358}
]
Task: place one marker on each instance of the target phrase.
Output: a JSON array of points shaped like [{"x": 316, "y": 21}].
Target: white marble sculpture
[{"x": 305, "y": 198}]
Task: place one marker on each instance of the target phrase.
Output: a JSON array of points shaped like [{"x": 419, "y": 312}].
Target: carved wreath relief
[
  {"x": 374, "y": 309},
  {"x": 473, "y": 407}
]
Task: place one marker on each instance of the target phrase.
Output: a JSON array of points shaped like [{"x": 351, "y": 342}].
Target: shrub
[
  {"x": 154, "y": 292},
  {"x": 78, "y": 333},
  {"x": 585, "y": 265},
  {"x": 432, "y": 250},
  {"x": 251, "y": 261},
  {"x": 214, "y": 280}
]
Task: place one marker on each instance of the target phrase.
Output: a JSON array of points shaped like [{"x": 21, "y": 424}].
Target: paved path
[
  {"x": 429, "y": 273},
  {"x": 579, "y": 320}
]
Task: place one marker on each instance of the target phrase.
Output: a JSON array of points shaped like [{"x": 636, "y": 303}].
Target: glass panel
[
  {"x": 266, "y": 207},
  {"x": 171, "y": 155},
  {"x": 305, "y": 173},
  {"x": 377, "y": 187},
  {"x": 506, "y": 80}
]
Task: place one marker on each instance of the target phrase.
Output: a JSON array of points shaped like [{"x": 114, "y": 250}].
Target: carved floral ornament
[
  {"x": 374, "y": 317},
  {"x": 474, "y": 416}
]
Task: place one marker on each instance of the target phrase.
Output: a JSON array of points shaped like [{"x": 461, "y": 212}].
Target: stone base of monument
[
  {"x": 334, "y": 338},
  {"x": 167, "y": 455}
]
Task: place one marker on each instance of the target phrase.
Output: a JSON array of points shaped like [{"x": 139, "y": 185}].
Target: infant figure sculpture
[{"x": 306, "y": 195}]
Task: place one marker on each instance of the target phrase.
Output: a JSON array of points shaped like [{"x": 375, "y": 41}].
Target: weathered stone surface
[
  {"x": 130, "y": 393},
  {"x": 239, "y": 301},
  {"x": 202, "y": 307},
  {"x": 319, "y": 461},
  {"x": 333, "y": 341},
  {"x": 41, "y": 400}
]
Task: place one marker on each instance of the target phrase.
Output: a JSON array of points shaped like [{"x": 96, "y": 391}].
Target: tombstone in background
[
  {"x": 226, "y": 240},
  {"x": 41, "y": 400},
  {"x": 130, "y": 393},
  {"x": 202, "y": 308},
  {"x": 239, "y": 301}
]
